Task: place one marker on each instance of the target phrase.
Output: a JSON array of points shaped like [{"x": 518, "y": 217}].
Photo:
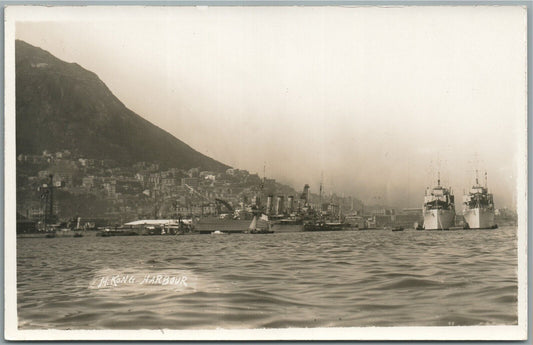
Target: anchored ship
[
  {"x": 439, "y": 208},
  {"x": 207, "y": 225},
  {"x": 321, "y": 225},
  {"x": 479, "y": 207},
  {"x": 296, "y": 213}
]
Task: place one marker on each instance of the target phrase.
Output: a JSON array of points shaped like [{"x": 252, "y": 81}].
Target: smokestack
[
  {"x": 269, "y": 204},
  {"x": 279, "y": 204},
  {"x": 290, "y": 204}
]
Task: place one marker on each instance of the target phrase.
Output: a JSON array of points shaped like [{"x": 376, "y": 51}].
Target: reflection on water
[{"x": 321, "y": 279}]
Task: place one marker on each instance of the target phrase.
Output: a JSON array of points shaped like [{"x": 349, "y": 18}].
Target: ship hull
[
  {"x": 324, "y": 227},
  {"x": 207, "y": 226},
  {"x": 280, "y": 227},
  {"x": 479, "y": 218},
  {"x": 439, "y": 219}
]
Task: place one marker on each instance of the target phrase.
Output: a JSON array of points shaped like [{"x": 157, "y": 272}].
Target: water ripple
[{"x": 337, "y": 279}]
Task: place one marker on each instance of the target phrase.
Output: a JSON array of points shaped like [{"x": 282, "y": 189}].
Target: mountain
[{"x": 61, "y": 105}]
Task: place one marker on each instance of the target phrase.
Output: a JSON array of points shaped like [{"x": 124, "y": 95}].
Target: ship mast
[
  {"x": 264, "y": 175},
  {"x": 438, "y": 179},
  {"x": 262, "y": 189},
  {"x": 321, "y": 186},
  {"x": 477, "y": 178},
  {"x": 51, "y": 189}
]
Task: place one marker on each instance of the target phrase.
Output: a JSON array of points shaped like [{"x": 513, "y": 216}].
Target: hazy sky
[{"x": 375, "y": 98}]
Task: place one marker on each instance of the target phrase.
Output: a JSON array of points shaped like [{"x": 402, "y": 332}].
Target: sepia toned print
[{"x": 251, "y": 172}]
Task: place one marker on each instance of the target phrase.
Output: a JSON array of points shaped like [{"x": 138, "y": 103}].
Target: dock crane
[
  {"x": 305, "y": 195},
  {"x": 47, "y": 200},
  {"x": 225, "y": 203},
  {"x": 219, "y": 202}
]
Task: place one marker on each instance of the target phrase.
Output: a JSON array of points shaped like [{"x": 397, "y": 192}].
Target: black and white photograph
[{"x": 265, "y": 172}]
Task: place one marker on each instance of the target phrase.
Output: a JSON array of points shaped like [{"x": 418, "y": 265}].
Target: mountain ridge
[{"x": 61, "y": 105}]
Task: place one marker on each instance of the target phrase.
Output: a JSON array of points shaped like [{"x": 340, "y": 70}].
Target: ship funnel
[
  {"x": 269, "y": 204},
  {"x": 279, "y": 204},
  {"x": 290, "y": 204}
]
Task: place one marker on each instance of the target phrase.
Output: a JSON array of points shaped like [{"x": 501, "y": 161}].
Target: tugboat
[
  {"x": 479, "y": 207},
  {"x": 439, "y": 208}
]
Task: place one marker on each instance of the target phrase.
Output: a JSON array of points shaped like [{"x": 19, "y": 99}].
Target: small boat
[
  {"x": 218, "y": 232},
  {"x": 253, "y": 229},
  {"x": 398, "y": 228}
]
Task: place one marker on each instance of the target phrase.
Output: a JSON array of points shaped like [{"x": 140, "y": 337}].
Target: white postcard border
[{"x": 20, "y": 13}]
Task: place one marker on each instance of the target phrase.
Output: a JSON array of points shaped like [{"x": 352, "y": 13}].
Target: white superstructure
[
  {"x": 439, "y": 208},
  {"x": 479, "y": 207}
]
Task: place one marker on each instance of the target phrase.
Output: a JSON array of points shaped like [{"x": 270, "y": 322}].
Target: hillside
[{"x": 61, "y": 105}]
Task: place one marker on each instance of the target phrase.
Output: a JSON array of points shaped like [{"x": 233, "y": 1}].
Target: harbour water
[{"x": 316, "y": 279}]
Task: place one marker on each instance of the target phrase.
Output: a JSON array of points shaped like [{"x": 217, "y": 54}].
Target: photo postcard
[{"x": 265, "y": 172}]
